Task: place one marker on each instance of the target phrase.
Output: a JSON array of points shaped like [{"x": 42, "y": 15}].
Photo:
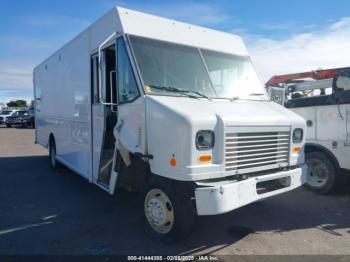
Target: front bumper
[
  {"x": 11, "y": 123},
  {"x": 16, "y": 122},
  {"x": 219, "y": 199}
]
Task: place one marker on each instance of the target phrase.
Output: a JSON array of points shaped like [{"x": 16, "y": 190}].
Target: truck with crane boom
[{"x": 322, "y": 97}]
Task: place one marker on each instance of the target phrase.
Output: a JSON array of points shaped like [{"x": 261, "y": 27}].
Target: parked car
[
  {"x": 4, "y": 114},
  {"x": 23, "y": 118}
]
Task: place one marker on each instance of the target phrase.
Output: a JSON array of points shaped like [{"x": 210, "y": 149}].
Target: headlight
[
  {"x": 297, "y": 135},
  {"x": 204, "y": 139}
]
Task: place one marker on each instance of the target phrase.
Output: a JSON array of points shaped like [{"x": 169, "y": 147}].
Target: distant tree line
[{"x": 17, "y": 103}]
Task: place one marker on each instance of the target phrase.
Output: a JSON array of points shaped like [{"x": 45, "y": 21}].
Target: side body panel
[
  {"x": 64, "y": 106},
  {"x": 63, "y": 99},
  {"x": 330, "y": 129},
  {"x": 309, "y": 114}
]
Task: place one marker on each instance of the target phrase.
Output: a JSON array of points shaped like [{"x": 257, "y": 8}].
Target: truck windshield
[{"x": 167, "y": 68}]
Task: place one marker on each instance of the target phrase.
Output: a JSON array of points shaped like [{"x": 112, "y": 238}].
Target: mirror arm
[{"x": 99, "y": 66}]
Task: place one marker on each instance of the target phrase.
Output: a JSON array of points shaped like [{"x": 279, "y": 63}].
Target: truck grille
[{"x": 258, "y": 149}]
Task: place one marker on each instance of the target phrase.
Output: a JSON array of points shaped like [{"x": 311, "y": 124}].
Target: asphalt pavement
[{"x": 47, "y": 212}]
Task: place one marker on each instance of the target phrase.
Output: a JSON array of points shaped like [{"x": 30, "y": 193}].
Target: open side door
[
  {"x": 117, "y": 107},
  {"x": 104, "y": 116}
]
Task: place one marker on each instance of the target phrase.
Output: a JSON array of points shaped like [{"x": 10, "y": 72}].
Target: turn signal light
[
  {"x": 172, "y": 162},
  {"x": 297, "y": 149},
  {"x": 205, "y": 158}
]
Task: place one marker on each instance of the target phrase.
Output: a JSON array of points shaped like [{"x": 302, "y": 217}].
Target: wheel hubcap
[
  {"x": 159, "y": 211},
  {"x": 318, "y": 173}
]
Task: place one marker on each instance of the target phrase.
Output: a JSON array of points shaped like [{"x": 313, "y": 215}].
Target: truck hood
[{"x": 237, "y": 112}]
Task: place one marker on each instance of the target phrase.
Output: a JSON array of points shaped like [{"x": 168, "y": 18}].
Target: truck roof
[
  {"x": 155, "y": 27},
  {"x": 126, "y": 21}
]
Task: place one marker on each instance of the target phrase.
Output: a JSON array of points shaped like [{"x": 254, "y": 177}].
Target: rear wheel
[
  {"x": 52, "y": 154},
  {"x": 8, "y": 125},
  {"x": 168, "y": 214},
  {"x": 323, "y": 175}
]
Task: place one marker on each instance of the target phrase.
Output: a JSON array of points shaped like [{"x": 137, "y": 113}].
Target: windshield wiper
[
  {"x": 167, "y": 88},
  {"x": 234, "y": 98},
  {"x": 179, "y": 90},
  {"x": 198, "y": 93},
  {"x": 256, "y": 94}
]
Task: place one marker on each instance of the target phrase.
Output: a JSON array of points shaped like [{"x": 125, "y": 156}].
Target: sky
[{"x": 281, "y": 36}]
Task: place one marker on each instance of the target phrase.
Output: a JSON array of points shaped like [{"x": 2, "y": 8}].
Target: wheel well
[
  {"x": 132, "y": 177},
  {"x": 318, "y": 148}
]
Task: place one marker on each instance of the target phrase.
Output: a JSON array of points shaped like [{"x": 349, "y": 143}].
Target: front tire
[
  {"x": 168, "y": 214},
  {"x": 323, "y": 175}
]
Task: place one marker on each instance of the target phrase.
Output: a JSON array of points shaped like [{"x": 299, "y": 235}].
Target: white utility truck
[
  {"x": 171, "y": 109},
  {"x": 322, "y": 97}
]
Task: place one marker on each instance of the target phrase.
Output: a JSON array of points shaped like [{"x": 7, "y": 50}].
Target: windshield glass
[
  {"x": 233, "y": 76},
  {"x": 183, "y": 70},
  {"x": 169, "y": 65},
  {"x": 5, "y": 112},
  {"x": 20, "y": 113}
]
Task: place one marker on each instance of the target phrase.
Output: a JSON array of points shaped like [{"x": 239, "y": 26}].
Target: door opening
[
  {"x": 107, "y": 150},
  {"x": 104, "y": 116}
]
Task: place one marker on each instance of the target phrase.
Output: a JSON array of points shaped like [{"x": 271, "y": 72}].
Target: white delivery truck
[
  {"x": 322, "y": 98},
  {"x": 175, "y": 110}
]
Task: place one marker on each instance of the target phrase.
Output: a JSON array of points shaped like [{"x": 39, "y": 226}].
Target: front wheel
[
  {"x": 168, "y": 214},
  {"x": 323, "y": 176}
]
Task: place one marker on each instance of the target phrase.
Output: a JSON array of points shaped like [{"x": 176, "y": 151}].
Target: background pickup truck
[{"x": 23, "y": 118}]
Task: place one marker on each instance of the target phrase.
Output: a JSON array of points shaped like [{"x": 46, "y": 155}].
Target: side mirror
[{"x": 341, "y": 82}]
